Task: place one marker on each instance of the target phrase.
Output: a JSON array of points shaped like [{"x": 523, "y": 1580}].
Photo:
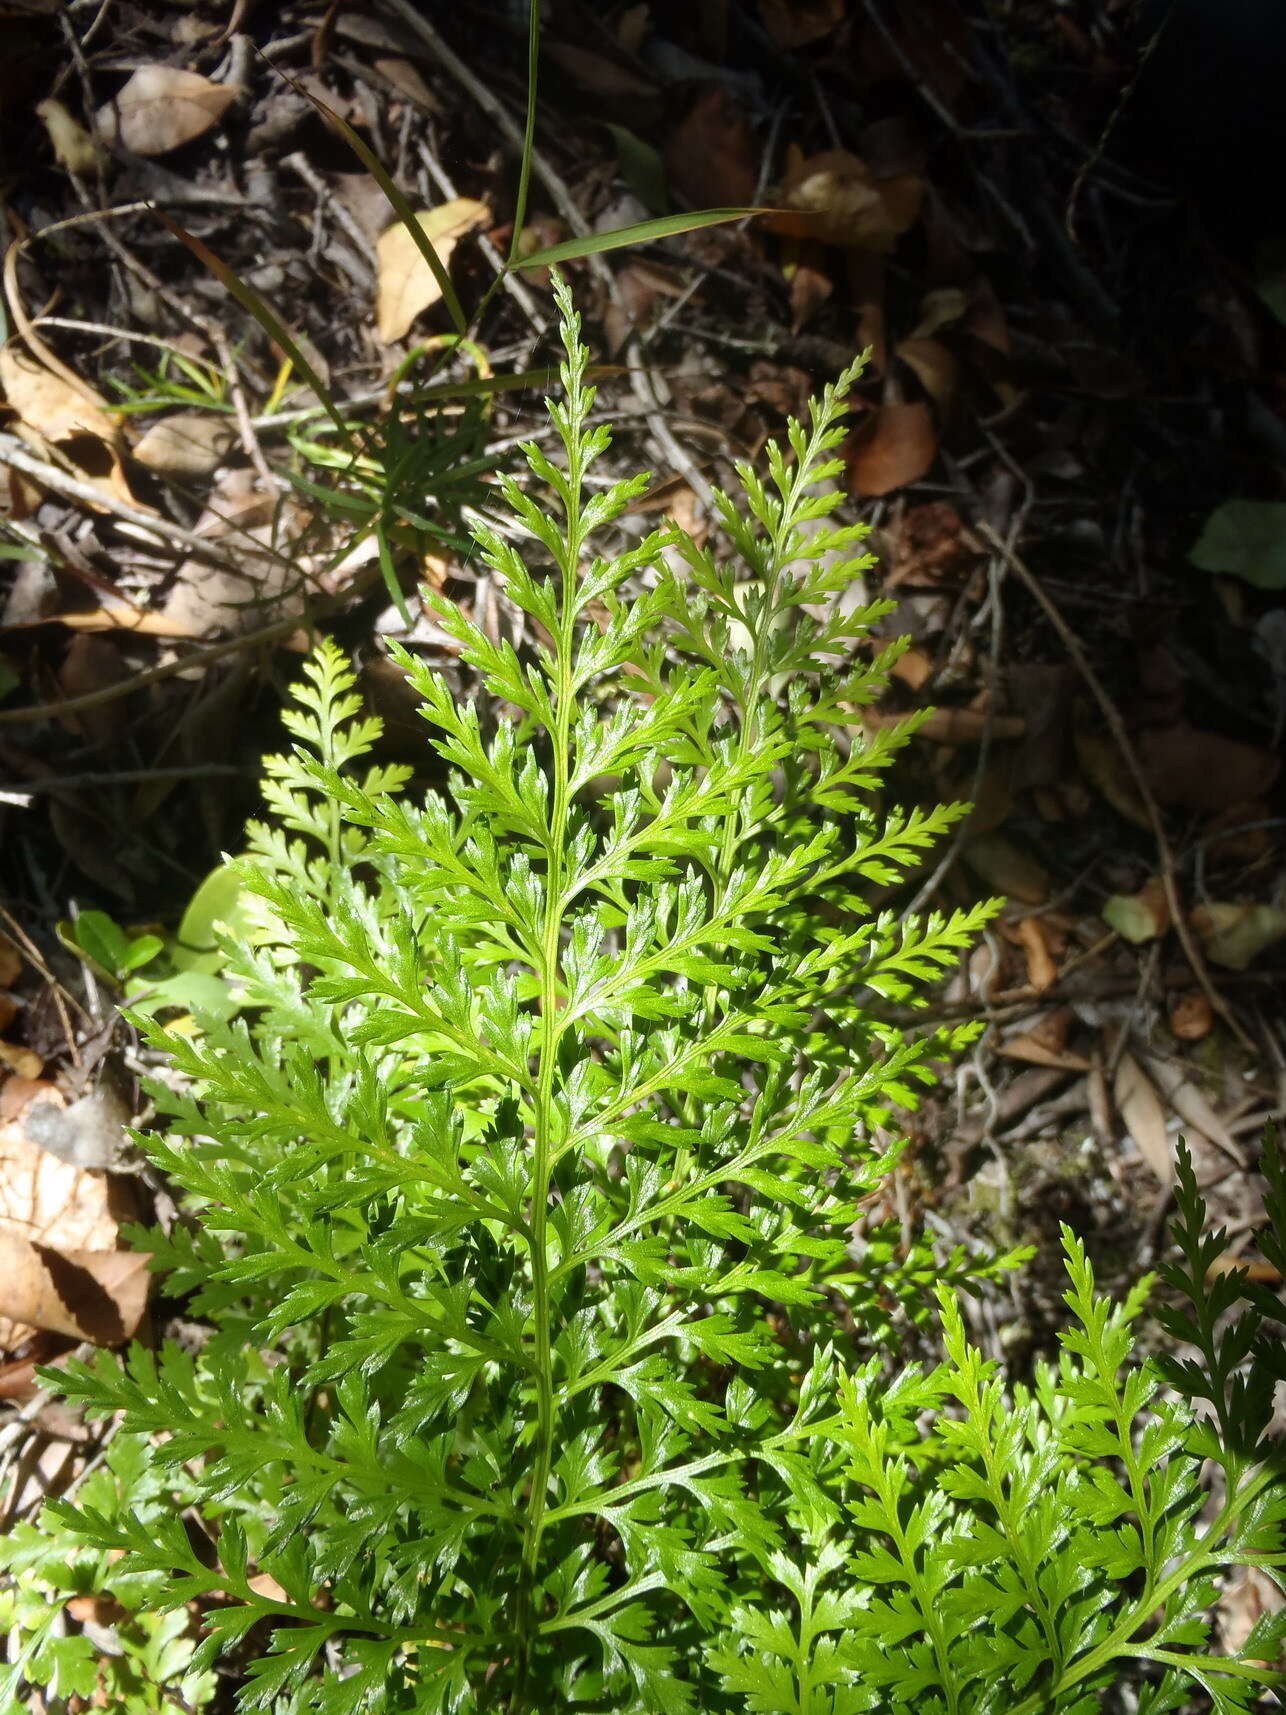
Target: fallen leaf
[
  {"x": 1249, "y": 837},
  {"x": 933, "y": 366},
  {"x": 835, "y": 197},
  {"x": 22, "y": 1062},
  {"x": 75, "y": 420},
  {"x": 406, "y": 285},
  {"x": 190, "y": 443},
  {"x": 10, "y": 963},
  {"x": 795, "y": 23},
  {"x": 1250, "y": 1595},
  {"x": 710, "y": 157},
  {"x": 938, "y": 309},
  {"x": 1045, "y": 1043},
  {"x": 1105, "y": 768},
  {"x": 48, "y": 404},
  {"x": 1042, "y": 972},
  {"x": 98, "y": 1296},
  {"x": 407, "y": 81},
  {"x": 1189, "y": 769},
  {"x": 810, "y": 283},
  {"x": 161, "y": 108},
  {"x": 74, "y": 148},
  {"x": 1189, "y": 1102},
  {"x": 617, "y": 83},
  {"x": 59, "y": 1231},
  {"x": 928, "y": 545},
  {"x": 1246, "y": 539},
  {"x": 1141, "y": 916},
  {"x": 914, "y": 667},
  {"x": 1233, "y": 935},
  {"x": 951, "y": 726},
  {"x": 1004, "y": 868},
  {"x": 1144, "y": 1117},
  {"x": 1191, "y": 1017},
  {"x": 896, "y": 446}
]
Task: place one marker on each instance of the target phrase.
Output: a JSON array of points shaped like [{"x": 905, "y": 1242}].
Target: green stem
[{"x": 543, "y": 1117}]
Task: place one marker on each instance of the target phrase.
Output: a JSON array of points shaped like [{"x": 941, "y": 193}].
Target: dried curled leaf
[{"x": 161, "y": 108}]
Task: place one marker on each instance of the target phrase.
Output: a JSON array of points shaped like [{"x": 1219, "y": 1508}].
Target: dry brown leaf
[
  {"x": 1006, "y": 869},
  {"x": 601, "y": 75},
  {"x": 74, "y": 420},
  {"x": 10, "y": 963},
  {"x": 88, "y": 1295},
  {"x": 407, "y": 81},
  {"x": 710, "y": 158},
  {"x": 1191, "y": 1016},
  {"x": 811, "y": 284},
  {"x": 952, "y": 726},
  {"x": 836, "y": 198},
  {"x": 74, "y": 148},
  {"x": 1034, "y": 1053},
  {"x": 59, "y": 1229},
  {"x": 1189, "y": 1101},
  {"x": 1144, "y": 1117},
  {"x": 1190, "y": 769},
  {"x": 22, "y": 1062},
  {"x": 51, "y": 406},
  {"x": 896, "y": 446},
  {"x": 406, "y": 285},
  {"x": 1042, "y": 972},
  {"x": 190, "y": 443},
  {"x": 1104, "y": 767},
  {"x": 1045, "y": 1043},
  {"x": 161, "y": 108},
  {"x": 934, "y": 367},
  {"x": 914, "y": 667}
]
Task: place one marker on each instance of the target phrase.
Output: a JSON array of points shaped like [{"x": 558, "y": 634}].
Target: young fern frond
[{"x": 523, "y": 1186}]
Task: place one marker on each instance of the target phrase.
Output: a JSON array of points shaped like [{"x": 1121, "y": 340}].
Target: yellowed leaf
[
  {"x": 933, "y": 366},
  {"x": 53, "y": 413},
  {"x": 1144, "y": 1117},
  {"x": 48, "y": 404},
  {"x": 1141, "y": 916},
  {"x": 405, "y": 284},
  {"x": 161, "y": 108},
  {"x": 836, "y": 198},
  {"x": 75, "y": 150}
]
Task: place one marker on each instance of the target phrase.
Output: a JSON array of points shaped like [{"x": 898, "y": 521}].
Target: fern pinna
[{"x": 548, "y": 1095}]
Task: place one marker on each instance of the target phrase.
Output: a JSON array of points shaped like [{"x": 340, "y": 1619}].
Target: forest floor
[{"x": 1069, "y": 443}]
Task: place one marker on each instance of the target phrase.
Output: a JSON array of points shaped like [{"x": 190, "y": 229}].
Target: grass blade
[
  {"x": 405, "y": 213},
  {"x": 255, "y": 306},
  {"x": 529, "y": 130},
  {"x": 641, "y": 232}
]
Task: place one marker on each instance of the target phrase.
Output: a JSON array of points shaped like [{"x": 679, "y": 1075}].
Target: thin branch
[{"x": 1116, "y": 726}]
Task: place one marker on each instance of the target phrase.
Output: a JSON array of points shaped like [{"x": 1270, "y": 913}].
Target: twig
[
  {"x": 166, "y": 670},
  {"x": 52, "y": 476},
  {"x": 512, "y": 284},
  {"x": 948, "y": 860},
  {"x": 1116, "y": 726},
  {"x": 129, "y": 777},
  {"x": 13, "y": 293}
]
